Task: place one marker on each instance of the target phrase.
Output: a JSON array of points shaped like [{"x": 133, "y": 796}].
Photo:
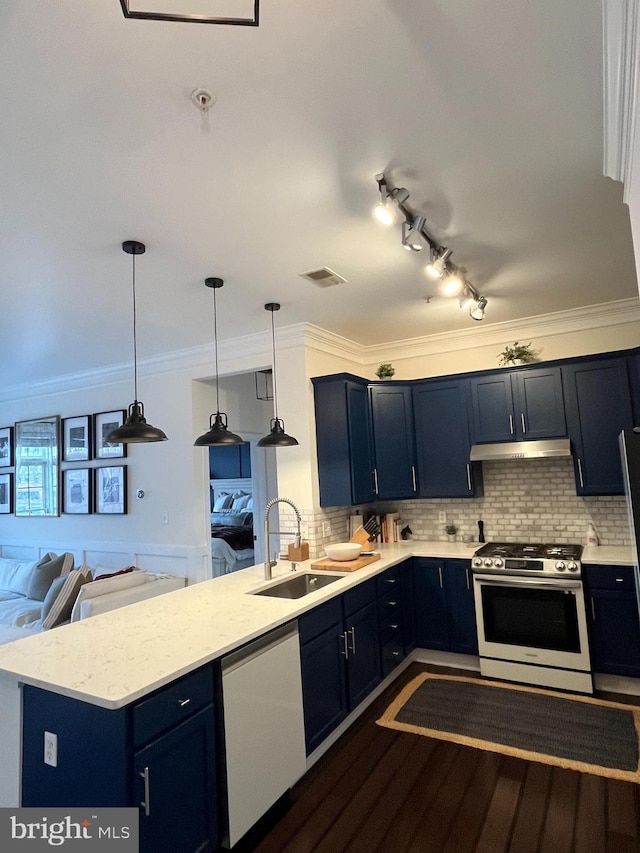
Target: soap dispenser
[{"x": 592, "y": 536}]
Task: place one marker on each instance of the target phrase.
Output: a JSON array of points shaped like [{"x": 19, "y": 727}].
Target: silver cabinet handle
[
  {"x": 183, "y": 702},
  {"x": 395, "y": 654},
  {"x": 593, "y": 610},
  {"x": 511, "y": 424},
  {"x": 352, "y": 631},
  {"x": 440, "y": 576},
  {"x": 619, "y": 580},
  {"x": 580, "y": 471},
  {"x": 392, "y": 603},
  {"x": 524, "y": 428},
  {"x": 146, "y": 801},
  {"x": 345, "y": 648},
  {"x": 413, "y": 476},
  {"x": 395, "y": 627},
  {"x": 375, "y": 480},
  {"x": 466, "y": 571},
  {"x": 389, "y": 580},
  {"x": 469, "y": 476}
]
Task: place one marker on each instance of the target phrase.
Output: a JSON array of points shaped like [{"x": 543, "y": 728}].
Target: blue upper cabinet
[
  {"x": 518, "y": 405},
  {"x": 443, "y": 440},
  {"x": 343, "y": 439},
  {"x": 393, "y": 441},
  {"x": 598, "y": 402}
]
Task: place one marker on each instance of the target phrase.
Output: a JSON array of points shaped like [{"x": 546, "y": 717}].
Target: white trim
[{"x": 620, "y": 74}]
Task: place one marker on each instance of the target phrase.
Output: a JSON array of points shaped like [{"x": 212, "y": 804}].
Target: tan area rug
[{"x": 577, "y": 732}]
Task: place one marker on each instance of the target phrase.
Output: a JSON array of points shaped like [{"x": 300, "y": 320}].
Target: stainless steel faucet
[{"x": 269, "y": 564}]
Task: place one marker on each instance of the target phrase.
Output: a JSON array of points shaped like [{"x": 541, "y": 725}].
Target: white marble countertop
[{"x": 114, "y": 658}]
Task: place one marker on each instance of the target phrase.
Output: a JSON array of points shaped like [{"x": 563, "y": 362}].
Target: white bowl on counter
[{"x": 343, "y": 551}]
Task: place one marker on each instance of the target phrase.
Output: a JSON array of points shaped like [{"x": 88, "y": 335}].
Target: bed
[{"x": 232, "y": 540}]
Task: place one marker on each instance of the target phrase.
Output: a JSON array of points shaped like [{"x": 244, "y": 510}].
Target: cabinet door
[
  {"x": 174, "y": 784},
  {"x": 443, "y": 441},
  {"x": 462, "y": 613},
  {"x": 393, "y": 441},
  {"x": 344, "y": 442},
  {"x": 614, "y": 632},
  {"x": 430, "y": 600},
  {"x": 492, "y": 408},
  {"x": 598, "y": 405},
  {"x": 324, "y": 685},
  {"x": 538, "y": 403},
  {"x": 363, "y": 663}
]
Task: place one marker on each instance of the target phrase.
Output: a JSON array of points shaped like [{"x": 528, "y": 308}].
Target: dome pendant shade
[
  {"x": 135, "y": 429},
  {"x": 218, "y": 433},
  {"x": 277, "y": 437}
]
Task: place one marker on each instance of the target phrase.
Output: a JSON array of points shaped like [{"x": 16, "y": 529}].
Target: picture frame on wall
[
  {"x": 103, "y": 424},
  {"x": 76, "y": 439},
  {"x": 77, "y": 492},
  {"x": 6, "y": 494},
  {"x": 6, "y": 447},
  {"x": 111, "y": 490}
]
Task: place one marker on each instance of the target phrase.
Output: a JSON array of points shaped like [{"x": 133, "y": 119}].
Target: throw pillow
[
  {"x": 60, "y": 599},
  {"x": 44, "y": 573},
  {"x": 114, "y": 574},
  {"x": 110, "y": 583},
  {"x": 222, "y": 502},
  {"x": 240, "y": 503}
]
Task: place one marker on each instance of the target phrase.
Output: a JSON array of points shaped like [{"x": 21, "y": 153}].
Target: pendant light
[
  {"x": 277, "y": 436},
  {"x": 135, "y": 429},
  {"x": 218, "y": 432}
]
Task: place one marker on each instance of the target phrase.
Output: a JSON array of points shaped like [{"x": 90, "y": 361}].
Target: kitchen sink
[{"x": 298, "y": 586}]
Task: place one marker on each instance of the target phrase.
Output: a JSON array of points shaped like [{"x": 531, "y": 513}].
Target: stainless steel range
[{"x": 530, "y": 613}]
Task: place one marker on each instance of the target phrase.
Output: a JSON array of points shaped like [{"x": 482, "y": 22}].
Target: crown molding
[
  {"x": 621, "y": 25},
  {"x": 251, "y": 352}
]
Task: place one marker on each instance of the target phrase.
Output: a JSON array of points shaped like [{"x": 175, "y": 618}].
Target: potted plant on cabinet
[
  {"x": 451, "y": 530},
  {"x": 385, "y": 371},
  {"x": 516, "y": 354}
]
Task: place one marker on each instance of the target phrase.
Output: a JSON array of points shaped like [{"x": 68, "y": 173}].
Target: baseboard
[
  {"x": 617, "y": 684},
  {"x": 452, "y": 659}
]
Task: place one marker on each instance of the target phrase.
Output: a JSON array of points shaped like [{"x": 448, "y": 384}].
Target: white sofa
[{"x": 29, "y": 589}]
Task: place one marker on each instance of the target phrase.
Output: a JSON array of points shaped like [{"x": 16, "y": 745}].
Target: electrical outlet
[
  {"x": 442, "y": 517},
  {"x": 51, "y": 749},
  {"x": 326, "y": 528},
  {"x": 304, "y": 530}
]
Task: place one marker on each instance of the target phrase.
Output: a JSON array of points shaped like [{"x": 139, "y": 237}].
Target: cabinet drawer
[
  {"x": 313, "y": 623},
  {"x": 172, "y": 704},
  {"x": 392, "y": 655},
  {"x": 610, "y": 577},
  {"x": 391, "y": 629},
  {"x": 359, "y": 596},
  {"x": 388, "y": 581},
  {"x": 390, "y": 605}
]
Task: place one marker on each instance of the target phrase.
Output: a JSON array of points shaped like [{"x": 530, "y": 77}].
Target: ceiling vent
[{"x": 324, "y": 277}]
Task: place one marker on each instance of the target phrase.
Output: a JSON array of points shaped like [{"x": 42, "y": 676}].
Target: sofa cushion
[
  {"x": 114, "y": 583},
  {"x": 44, "y": 573},
  {"x": 15, "y": 574},
  {"x": 61, "y": 597}
]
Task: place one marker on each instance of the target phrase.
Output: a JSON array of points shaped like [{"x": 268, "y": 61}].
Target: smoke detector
[
  {"x": 203, "y": 99},
  {"x": 324, "y": 277}
]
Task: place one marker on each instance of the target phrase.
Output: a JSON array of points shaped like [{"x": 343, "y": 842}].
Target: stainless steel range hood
[{"x": 547, "y": 448}]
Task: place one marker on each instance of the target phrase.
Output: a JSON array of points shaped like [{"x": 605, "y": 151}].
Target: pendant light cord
[
  {"x": 135, "y": 340},
  {"x": 273, "y": 347},
  {"x": 215, "y": 346}
]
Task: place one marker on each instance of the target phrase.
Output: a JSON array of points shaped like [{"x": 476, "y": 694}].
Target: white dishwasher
[{"x": 263, "y": 725}]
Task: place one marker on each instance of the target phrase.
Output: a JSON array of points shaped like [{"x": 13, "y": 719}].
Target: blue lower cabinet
[
  {"x": 157, "y": 754},
  {"x": 395, "y": 615},
  {"x": 340, "y": 658},
  {"x": 613, "y": 621},
  {"x": 444, "y": 606}
]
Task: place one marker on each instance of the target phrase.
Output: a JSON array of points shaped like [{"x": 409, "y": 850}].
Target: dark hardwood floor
[{"x": 393, "y": 792}]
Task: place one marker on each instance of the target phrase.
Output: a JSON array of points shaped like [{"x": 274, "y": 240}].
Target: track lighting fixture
[
  {"x": 277, "y": 436},
  {"x": 135, "y": 429},
  {"x": 412, "y": 238},
  {"x": 218, "y": 432},
  {"x": 415, "y": 235},
  {"x": 477, "y": 313}
]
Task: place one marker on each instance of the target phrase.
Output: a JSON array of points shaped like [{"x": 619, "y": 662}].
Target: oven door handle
[{"x": 528, "y": 582}]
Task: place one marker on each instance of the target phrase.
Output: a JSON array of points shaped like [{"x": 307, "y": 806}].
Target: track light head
[
  {"x": 452, "y": 284},
  {"x": 412, "y": 238},
  {"x": 477, "y": 313},
  {"x": 438, "y": 264}
]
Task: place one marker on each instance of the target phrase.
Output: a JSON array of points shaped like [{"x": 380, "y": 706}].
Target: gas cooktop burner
[{"x": 517, "y": 550}]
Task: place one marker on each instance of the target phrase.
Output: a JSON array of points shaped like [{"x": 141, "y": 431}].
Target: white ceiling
[{"x": 488, "y": 111}]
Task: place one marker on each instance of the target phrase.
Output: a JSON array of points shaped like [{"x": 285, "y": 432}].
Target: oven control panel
[{"x": 507, "y": 564}]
